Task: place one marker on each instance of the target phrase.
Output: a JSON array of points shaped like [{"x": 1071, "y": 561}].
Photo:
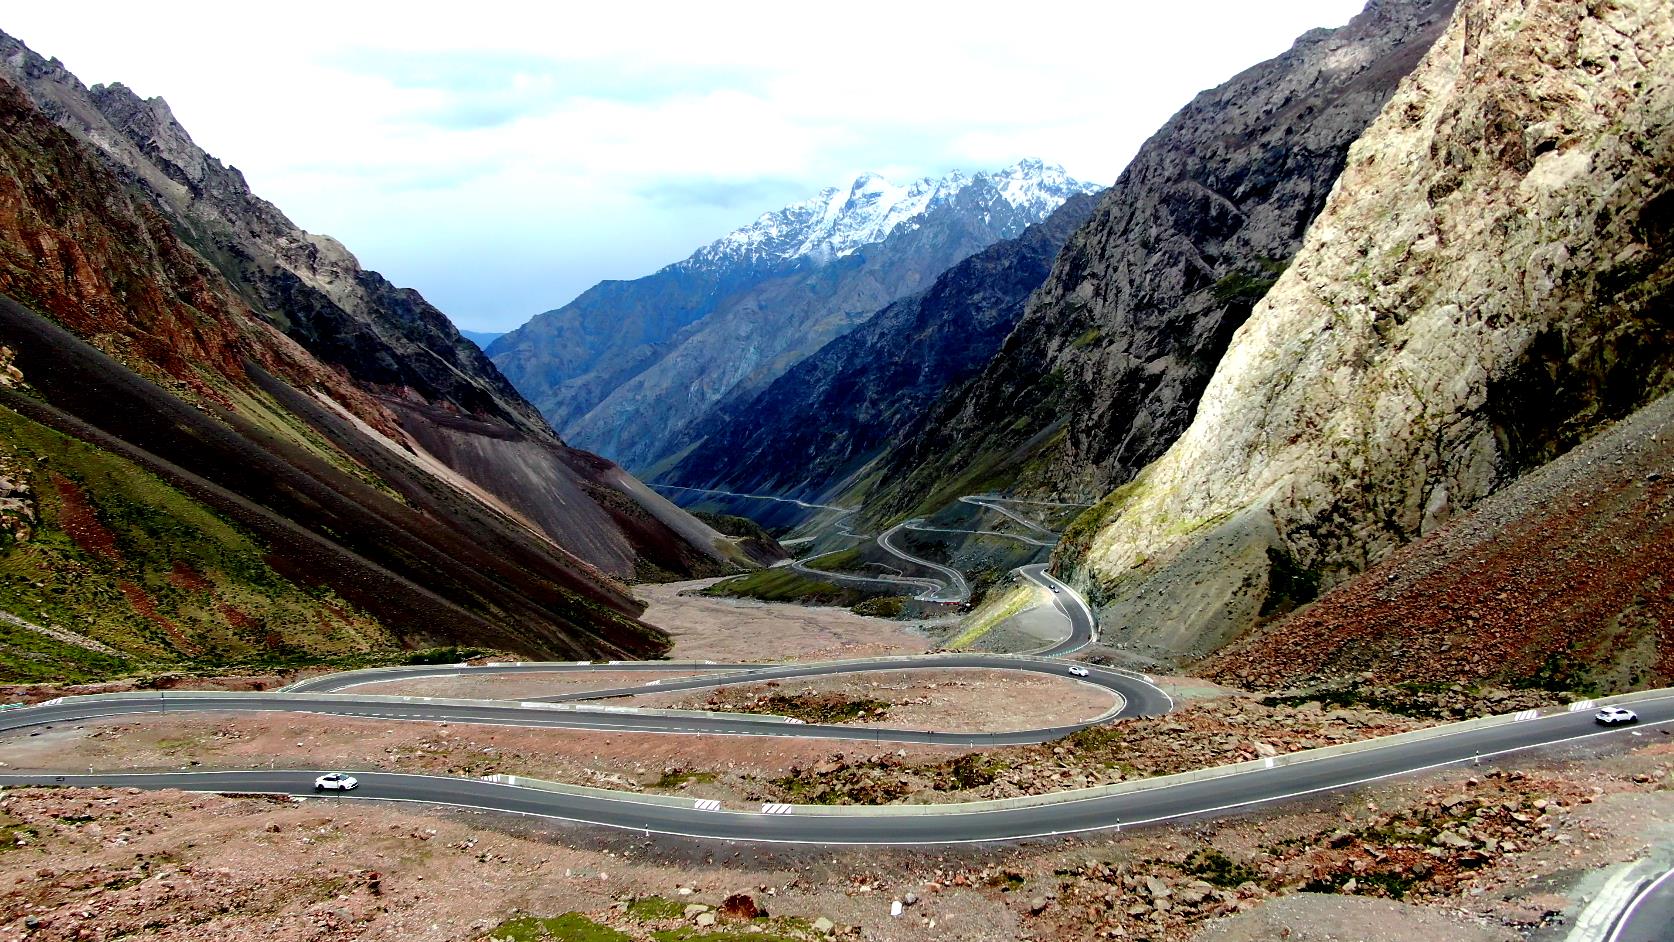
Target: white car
[
  {"x": 335, "y": 782},
  {"x": 1612, "y": 716},
  {"x": 1078, "y": 670},
  {"x": 1056, "y": 590}
]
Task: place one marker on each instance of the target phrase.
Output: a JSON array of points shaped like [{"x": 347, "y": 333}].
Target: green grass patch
[
  {"x": 13, "y": 834},
  {"x": 783, "y": 584},
  {"x": 570, "y": 927},
  {"x": 884, "y": 606},
  {"x": 653, "y": 908}
]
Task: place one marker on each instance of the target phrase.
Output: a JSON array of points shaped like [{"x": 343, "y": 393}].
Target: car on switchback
[
  {"x": 1078, "y": 670},
  {"x": 335, "y": 782}
]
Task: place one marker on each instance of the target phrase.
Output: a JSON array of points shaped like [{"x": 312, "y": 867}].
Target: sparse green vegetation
[
  {"x": 1219, "y": 869},
  {"x": 652, "y": 908},
  {"x": 1078, "y": 536},
  {"x": 124, "y": 558},
  {"x": 784, "y": 584},
  {"x": 13, "y": 834},
  {"x": 674, "y": 778},
  {"x": 815, "y": 707},
  {"x": 1246, "y": 288},
  {"x": 885, "y": 606},
  {"x": 448, "y": 654},
  {"x": 570, "y": 927}
]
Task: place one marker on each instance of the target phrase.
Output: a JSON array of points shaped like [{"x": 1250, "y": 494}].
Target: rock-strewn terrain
[
  {"x": 826, "y": 417},
  {"x": 1105, "y": 368},
  {"x": 1489, "y": 282}
]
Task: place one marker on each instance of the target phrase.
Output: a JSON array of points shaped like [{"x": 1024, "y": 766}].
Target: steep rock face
[
  {"x": 401, "y": 352},
  {"x": 623, "y": 368},
  {"x": 829, "y": 415},
  {"x": 1106, "y": 366},
  {"x": 1490, "y": 280}
]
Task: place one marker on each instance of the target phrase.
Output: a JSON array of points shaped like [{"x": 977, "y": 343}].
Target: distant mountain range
[
  {"x": 818, "y": 427},
  {"x": 628, "y": 365}
]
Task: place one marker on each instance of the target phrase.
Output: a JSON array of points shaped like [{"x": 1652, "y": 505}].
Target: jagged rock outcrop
[
  {"x": 1105, "y": 368},
  {"x": 1490, "y": 281},
  {"x": 434, "y": 393},
  {"x": 832, "y": 413},
  {"x": 622, "y": 369}
]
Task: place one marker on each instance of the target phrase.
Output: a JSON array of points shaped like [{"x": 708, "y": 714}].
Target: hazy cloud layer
[{"x": 502, "y": 160}]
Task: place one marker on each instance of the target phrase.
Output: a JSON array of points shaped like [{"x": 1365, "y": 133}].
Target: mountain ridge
[{"x": 624, "y": 366}]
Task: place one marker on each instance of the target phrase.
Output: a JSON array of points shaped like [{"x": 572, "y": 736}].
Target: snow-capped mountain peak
[{"x": 841, "y": 220}]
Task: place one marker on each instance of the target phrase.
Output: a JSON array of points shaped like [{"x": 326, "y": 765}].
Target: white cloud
[{"x": 501, "y": 159}]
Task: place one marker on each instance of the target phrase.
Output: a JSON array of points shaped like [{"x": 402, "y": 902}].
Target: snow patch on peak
[{"x": 841, "y": 220}]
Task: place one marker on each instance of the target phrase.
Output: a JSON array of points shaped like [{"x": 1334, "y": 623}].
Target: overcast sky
[{"x": 501, "y": 160}]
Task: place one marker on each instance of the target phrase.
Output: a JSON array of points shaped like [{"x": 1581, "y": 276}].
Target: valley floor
[{"x": 1461, "y": 854}]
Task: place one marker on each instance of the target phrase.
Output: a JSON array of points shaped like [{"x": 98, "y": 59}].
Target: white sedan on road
[
  {"x": 335, "y": 782},
  {"x": 1078, "y": 670}
]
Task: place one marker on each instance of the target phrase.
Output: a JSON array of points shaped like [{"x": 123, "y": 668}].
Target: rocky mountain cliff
[
  {"x": 438, "y": 395},
  {"x": 1105, "y": 368},
  {"x": 624, "y": 367},
  {"x": 1489, "y": 282},
  {"x": 828, "y": 416}
]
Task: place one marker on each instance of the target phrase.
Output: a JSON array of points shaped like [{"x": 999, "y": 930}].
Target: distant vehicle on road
[
  {"x": 335, "y": 782},
  {"x": 1613, "y": 716},
  {"x": 1056, "y": 590},
  {"x": 1078, "y": 670}
]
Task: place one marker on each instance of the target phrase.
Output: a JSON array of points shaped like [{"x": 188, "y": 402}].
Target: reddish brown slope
[
  {"x": 1565, "y": 579},
  {"x": 129, "y": 341}
]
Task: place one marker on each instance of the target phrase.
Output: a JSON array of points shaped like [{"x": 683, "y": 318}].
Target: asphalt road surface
[{"x": 886, "y": 825}]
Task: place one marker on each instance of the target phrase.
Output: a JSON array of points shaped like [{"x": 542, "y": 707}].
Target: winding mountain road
[
  {"x": 1191, "y": 795},
  {"x": 1067, "y": 812}
]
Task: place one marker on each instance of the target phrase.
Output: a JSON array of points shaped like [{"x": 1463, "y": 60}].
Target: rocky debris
[
  {"x": 17, "y": 500},
  {"x": 10, "y": 375},
  {"x": 741, "y": 906},
  {"x": 810, "y": 706},
  {"x": 1198, "y": 735},
  {"x": 1443, "y": 842}
]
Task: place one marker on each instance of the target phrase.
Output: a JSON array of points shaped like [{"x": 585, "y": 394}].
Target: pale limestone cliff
[{"x": 1489, "y": 281}]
